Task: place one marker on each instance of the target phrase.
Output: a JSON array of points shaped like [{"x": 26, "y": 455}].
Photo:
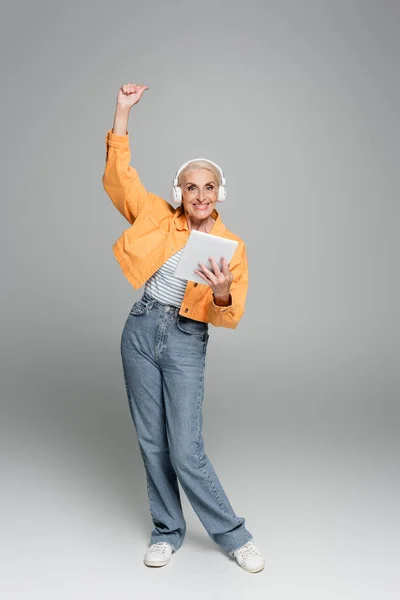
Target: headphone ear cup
[
  {"x": 176, "y": 194},
  {"x": 221, "y": 193}
]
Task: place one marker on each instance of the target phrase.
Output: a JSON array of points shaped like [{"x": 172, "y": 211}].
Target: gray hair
[{"x": 199, "y": 164}]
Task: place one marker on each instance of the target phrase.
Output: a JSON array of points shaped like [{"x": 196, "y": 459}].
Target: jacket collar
[{"x": 218, "y": 227}]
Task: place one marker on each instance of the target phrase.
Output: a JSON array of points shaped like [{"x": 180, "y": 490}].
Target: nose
[{"x": 201, "y": 195}]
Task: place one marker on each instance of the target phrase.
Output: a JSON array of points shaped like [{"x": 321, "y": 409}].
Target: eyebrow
[{"x": 191, "y": 183}]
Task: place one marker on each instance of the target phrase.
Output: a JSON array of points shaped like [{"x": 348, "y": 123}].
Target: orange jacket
[{"x": 157, "y": 231}]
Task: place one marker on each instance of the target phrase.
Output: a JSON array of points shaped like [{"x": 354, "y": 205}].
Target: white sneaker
[
  {"x": 158, "y": 554},
  {"x": 249, "y": 557}
]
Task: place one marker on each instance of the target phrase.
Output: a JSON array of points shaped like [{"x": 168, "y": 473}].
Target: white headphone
[{"x": 176, "y": 192}]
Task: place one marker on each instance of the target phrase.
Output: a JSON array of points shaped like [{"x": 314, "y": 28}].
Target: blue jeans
[{"x": 163, "y": 356}]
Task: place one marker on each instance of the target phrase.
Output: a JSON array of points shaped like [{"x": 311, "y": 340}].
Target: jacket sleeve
[
  {"x": 121, "y": 181},
  {"x": 229, "y": 316}
]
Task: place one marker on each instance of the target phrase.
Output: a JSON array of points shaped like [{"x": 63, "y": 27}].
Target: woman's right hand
[{"x": 130, "y": 94}]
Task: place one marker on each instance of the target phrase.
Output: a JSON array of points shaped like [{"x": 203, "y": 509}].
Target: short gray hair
[{"x": 199, "y": 164}]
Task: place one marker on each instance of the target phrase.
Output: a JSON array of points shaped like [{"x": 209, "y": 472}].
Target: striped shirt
[{"x": 164, "y": 286}]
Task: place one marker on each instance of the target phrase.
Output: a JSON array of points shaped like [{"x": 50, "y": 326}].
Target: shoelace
[
  {"x": 158, "y": 546},
  {"x": 248, "y": 549}
]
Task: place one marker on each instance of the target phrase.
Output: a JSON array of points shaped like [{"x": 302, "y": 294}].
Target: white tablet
[{"x": 199, "y": 247}]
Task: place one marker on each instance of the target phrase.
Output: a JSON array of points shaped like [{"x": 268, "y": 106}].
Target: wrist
[
  {"x": 223, "y": 300},
  {"x": 122, "y": 108}
]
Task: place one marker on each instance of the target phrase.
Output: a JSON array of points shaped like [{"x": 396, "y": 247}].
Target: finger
[
  {"x": 201, "y": 275},
  {"x": 204, "y": 268},
  {"x": 215, "y": 266},
  {"x": 209, "y": 274},
  {"x": 225, "y": 269}
]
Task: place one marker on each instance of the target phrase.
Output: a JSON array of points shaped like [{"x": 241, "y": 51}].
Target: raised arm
[{"x": 120, "y": 180}]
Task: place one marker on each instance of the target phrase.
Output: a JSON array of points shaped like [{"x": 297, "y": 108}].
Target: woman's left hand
[{"x": 220, "y": 281}]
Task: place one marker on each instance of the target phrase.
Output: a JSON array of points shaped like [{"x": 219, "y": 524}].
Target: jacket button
[
  {"x": 186, "y": 309},
  {"x": 195, "y": 284}
]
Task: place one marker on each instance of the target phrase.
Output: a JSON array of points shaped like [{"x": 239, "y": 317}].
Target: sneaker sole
[
  {"x": 254, "y": 570},
  {"x": 150, "y": 563}
]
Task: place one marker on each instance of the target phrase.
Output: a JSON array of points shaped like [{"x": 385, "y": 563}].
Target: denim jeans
[{"x": 163, "y": 356}]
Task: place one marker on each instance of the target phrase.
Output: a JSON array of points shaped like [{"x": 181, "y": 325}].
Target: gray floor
[{"x": 318, "y": 487}]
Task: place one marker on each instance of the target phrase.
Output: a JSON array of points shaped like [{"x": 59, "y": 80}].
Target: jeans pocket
[
  {"x": 191, "y": 327},
  {"x": 138, "y": 308}
]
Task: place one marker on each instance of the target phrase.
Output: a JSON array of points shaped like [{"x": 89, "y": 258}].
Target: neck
[{"x": 200, "y": 224}]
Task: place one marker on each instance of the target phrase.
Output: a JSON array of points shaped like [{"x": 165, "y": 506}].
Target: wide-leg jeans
[{"x": 163, "y": 356}]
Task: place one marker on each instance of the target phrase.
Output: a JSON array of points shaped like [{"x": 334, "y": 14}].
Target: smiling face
[{"x": 199, "y": 193}]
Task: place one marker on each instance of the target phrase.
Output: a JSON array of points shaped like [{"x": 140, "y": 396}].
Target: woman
[{"x": 164, "y": 341}]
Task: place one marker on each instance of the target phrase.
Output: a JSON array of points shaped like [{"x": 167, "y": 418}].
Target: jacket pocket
[{"x": 145, "y": 235}]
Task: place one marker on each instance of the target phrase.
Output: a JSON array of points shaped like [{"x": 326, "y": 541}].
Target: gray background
[{"x": 298, "y": 102}]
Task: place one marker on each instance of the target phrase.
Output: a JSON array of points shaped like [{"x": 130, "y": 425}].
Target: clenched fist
[{"x": 130, "y": 94}]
